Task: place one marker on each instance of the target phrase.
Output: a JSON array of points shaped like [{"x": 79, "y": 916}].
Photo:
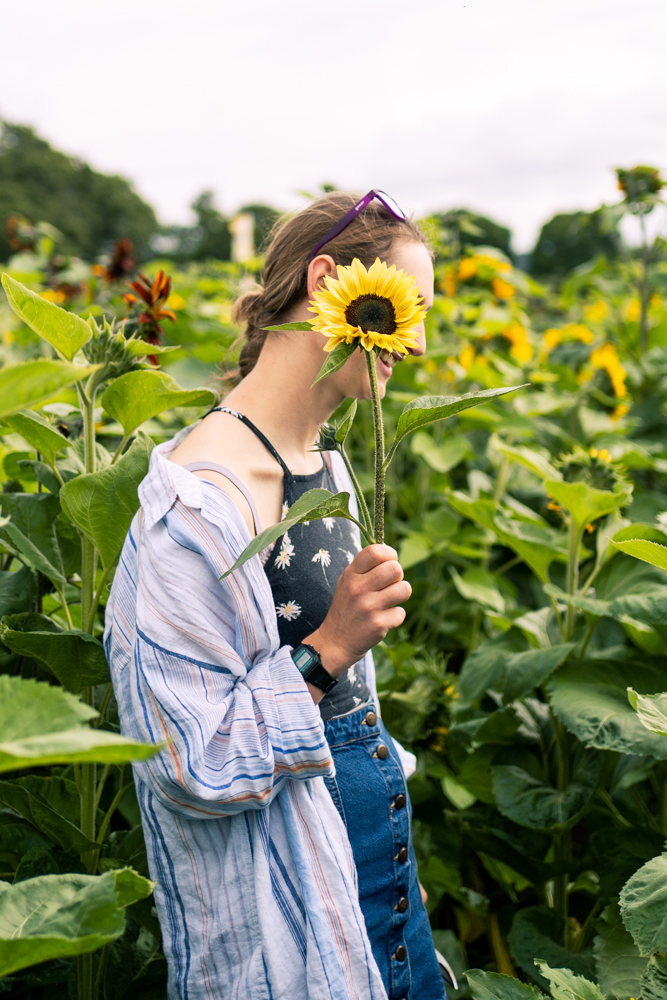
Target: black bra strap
[{"x": 265, "y": 441}]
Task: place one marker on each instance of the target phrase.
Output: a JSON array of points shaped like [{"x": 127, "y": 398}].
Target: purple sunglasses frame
[{"x": 351, "y": 216}]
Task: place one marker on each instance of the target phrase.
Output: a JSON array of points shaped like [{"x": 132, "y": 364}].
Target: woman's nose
[{"x": 419, "y": 347}]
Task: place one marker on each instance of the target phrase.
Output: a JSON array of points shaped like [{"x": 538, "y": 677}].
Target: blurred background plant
[{"x": 539, "y": 790}]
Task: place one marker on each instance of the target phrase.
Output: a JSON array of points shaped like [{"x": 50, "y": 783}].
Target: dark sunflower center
[{"x": 372, "y": 313}]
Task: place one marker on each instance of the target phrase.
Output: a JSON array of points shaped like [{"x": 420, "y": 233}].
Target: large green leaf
[
  {"x": 50, "y": 804},
  {"x": 478, "y": 584},
  {"x": 76, "y": 658},
  {"x": 531, "y": 802},
  {"x": 57, "y": 916},
  {"x": 137, "y": 396},
  {"x": 522, "y": 672},
  {"x": 496, "y": 986},
  {"x": 335, "y": 360},
  {"x": 536, "y": 933},
  {"x": 643, "y": 904},
  {"x": 102, "y": 504},
  {"x": 654, "y": 981},
  {"x": 41, "y": 724},
  {"x": 530, "y": 459},
  {"x": 427, "y": 409},
  {"x": 483, "y": 667},
  {"x": 585, "y": 503},
  {"x": 32, "y": 531},
  {"x": 651, "y": 710},
  {"x": 441, "y": 457},
  {"x": 617, "y": 959},
  {"x": 38, "y": 432},
  {"x": 65, "y": 331},
  {"x": 33, "y": 382},
  {"x": 566, "y": 986},
  {"x": 18, "y": 591},
  {"x": 590, "y": 699},
  {"x": 649, "y": 552},
  {"x": 312, "y": 506}
]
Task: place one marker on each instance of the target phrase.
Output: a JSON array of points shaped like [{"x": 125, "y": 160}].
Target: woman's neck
[{"x": 279, "y": 397}]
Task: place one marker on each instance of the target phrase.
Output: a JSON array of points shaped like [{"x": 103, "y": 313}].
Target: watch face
[{"x": 303, "y": 658}]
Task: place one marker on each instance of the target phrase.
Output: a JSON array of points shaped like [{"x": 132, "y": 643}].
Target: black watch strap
[{"x": 309, "y": 664}]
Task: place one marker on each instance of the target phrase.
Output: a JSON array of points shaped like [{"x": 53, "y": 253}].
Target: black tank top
[{"x": 302, "y": 569}]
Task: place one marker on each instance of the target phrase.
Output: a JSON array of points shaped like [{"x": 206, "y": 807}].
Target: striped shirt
[{"x": 256, "y": 886}]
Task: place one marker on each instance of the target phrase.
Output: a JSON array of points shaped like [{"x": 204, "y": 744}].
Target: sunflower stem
[
  {"x": 378, "y": 493},
  {"x": 361, "y": 500}
]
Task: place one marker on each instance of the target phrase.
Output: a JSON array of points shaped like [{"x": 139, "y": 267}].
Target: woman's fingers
[{"x": 372, "y": 556}]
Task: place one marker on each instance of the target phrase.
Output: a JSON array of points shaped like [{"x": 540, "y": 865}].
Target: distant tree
[
  {"x": 265, "y": 218},
  {"x": 91, "y": 210},
  {"x": 460, "y": 227},
  {"x": 570, "y": 239},
  {"x": 215, "y": 240}
]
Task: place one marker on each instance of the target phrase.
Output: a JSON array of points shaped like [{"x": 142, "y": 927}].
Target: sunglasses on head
[{"x": 350, "y": 216}]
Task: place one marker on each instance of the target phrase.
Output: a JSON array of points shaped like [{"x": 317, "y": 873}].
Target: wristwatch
[{"x": 308, "y": 661}]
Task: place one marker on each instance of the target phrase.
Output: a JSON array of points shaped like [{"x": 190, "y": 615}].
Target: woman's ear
[{"x": 317, "y": 269}]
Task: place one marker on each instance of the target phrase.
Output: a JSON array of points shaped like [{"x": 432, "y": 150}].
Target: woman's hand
[{"x": 364, "y": 608}]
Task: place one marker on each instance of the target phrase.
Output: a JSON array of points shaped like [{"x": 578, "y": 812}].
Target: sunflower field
[{"x": 530, "y": 677}]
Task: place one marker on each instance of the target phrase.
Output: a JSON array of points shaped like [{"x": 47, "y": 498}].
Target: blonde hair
[{"x": 372, "y": 234}]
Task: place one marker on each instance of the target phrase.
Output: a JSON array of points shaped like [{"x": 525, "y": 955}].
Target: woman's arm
[{"x": 204, "y": 674}]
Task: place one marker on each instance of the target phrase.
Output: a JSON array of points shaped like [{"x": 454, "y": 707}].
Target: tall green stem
[
  {"x": 573, "y": 545},
  {"x": 378, "y": 495},
  {"x": 361, "y": 500},
  {"x": 87, "y": 772}
]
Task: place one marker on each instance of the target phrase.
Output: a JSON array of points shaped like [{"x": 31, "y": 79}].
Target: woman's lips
[{"x": 387, "y": 361}]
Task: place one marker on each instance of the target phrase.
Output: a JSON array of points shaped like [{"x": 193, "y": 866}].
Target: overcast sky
[{"x": 518, "y": 108}]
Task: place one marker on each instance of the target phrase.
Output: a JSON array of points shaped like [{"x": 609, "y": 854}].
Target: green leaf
[
  {"x": 65, "y": 331},
  {"x": 654, "y": 981},
  {"x": 585, "y": 503},
  {"x": 617, "y": 959},
  {"x": 138, "y": 396},
  {"x": 643, "y": 904},
  {"x": 32, "y": 530},
  {"x": 566, "y": 986},
  {"x": 531, "y": 802},
  {"x": 537, "y": 931},
  {"x": 135, "y": 347},
  {"x": 481, "y": 669},
  {"x": 345, "y": 426},
  {"x": 530, "y": 459},
  {"x": 651, "y": 710},
  {"x": 56, "y": 916},
  {"x": 441, "y": 457},
  {"x": 50, "y": 804},
  {"x": 336, "y": 359},
  {"x": 33, "y": 382},
  {"x": 312, "y": 506},
  {"x": 522, "y": 672},
  {"x": 18, "y": 591},
  {"x": 289, "y": 326},
  {"x": 478, "y": 584},
  {"x": 649, "y": 552},
  {"x": 590, "y": 699},
  {"x": 38, "y": 432},
  {"x": 41, "y": 724},
  {"x": 589, "y": 605},
  {"x": 496, "y": 986},
  {"x": 427, "y": 409},
  {"x": 102, "y": 504},
  {"x": 76, "y": 658}
]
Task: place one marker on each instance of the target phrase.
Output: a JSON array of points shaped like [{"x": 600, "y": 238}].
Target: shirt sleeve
[{"x": 206, "y": 675}]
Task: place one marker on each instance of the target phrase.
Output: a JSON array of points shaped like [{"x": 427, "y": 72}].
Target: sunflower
[{"x": 380, "y": 308}]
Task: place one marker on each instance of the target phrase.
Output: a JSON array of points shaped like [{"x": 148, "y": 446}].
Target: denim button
[
  {"x": 400, "y": 800},
  {"x": 370, "y": 719},
  {"x": 403, "y": 855},
  {"x": 401, "y": 953},
  {"x": 402, "y": 904},
  {"x": 382, "y": 752}
]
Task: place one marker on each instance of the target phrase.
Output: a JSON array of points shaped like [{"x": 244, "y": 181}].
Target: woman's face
[{"x": 352, "y": 379}]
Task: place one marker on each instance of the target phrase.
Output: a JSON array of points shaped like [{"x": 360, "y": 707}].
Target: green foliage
[
  {"x": 643, "y": 905},
  {"x": 570, "y": 239},
  {"x": 54, "y": 916},
  {"x": 66, "y": 332}
]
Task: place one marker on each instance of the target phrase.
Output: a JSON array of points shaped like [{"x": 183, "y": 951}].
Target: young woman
[{"x": 277, "y": 818}]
